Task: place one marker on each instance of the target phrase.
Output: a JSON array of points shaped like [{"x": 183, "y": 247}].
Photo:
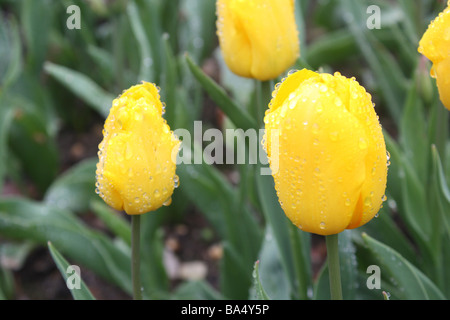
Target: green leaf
[
  {"x": 235, "y": 278},
  {"x": 36, "y": 19},
  {"x": 260, "y": 293},
  {"x": 195, "y": 36},
  {"x": 82, "y": 86},
  {"x": 10, "y": 52},
  {"x": 269, "y": 274},
  {"x": 285, "y": 238},
  {"x": 6, "y": 284},
  {"x": 385, "y": 69},
  {"x": 74, "y": 189},
  {"x": 408, "y": 282},
  {"x": 145, "y": 73},
  {"x": 114, "y": 221},
  {"x": 414, "y": 203},
  {"x": 237, "y": 114},
  {"x": 220, "y": 202},
  {"x": 388, "y": 232},
  {"x": 6, "y": 117},
  {"x": 442, "y": 190},
  {"x": 14, "y": 254},
  {"x": 331, "y": 48},
  {"x": 413, "y": 133},
  {"x": 81, "y": 293},
  {"x": 169, "y": 90},
  {"x": 196, "y": 290},
  {"x": 24, "y": 219},
  {"x": 29, "y": 137}
]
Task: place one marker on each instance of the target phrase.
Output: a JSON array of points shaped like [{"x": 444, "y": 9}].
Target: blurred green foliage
[{"x": 58, "y": 84}]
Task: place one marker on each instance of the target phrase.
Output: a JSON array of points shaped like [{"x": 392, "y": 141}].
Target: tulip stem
[
  {"x": 263, "y": 96},
  {"x": 333, "y": 266},
  {"x": 135, "y": 256}
]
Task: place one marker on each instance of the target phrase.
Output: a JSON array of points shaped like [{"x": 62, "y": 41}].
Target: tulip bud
[
  {"x": 332, "y": 164},
  {"x": 435, "y": 45},
  {"x": 136, "y": 168},
  {"x": 258, "y": 38}
]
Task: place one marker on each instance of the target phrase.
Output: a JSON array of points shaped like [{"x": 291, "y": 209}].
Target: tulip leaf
[
  {"x": 259, "y": 290},
  {"x": 116, "y": 223},
  {"x": 169, "y": 91},
  {"x": 78, "y": 293},
  {"x": 219, "y": 201},
  {"x": 82, "y": 86},
  {"x": 7, "y": 285},
  {"x": 10, "y": 52},
  {"x": 6, "y": 118},
  {"x": 407, "y": 281},
  {"x": 413, "y": 134},
  {"x": 386, "y": 71},
  {"x": 441, "y": 190},
  {"x": 74, "y": 189},
  {"x": 414, "y": 203},
  {"x": 269, "y": 274},
  {"x": 30, "y": 129},
  {"x": 145, "y": 73},
  {"x": 196, "y": 290},
  {"x": 36, "y": 20},
  {"x": 196, "y": 37},
  {"x": 387, "y": 231},
  {"x": 21, "y": 218},
  {"x": 238, "y": 115},
  {"x": 331, "y": 48},
  {"x": 286, "y": 239}
]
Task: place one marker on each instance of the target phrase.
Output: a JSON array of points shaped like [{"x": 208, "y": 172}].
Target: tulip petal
[
  {"x": 331, "y": 169},
  {"x": 136, "y": 171},
  {"x": 259, "y": 39},
  {"x": 442, "y": 70}
]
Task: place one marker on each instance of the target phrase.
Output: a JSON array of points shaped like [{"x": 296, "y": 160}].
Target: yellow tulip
[
  {"x": 258, "y": 38},
  {"x": 435, "y": 45},
  {"x": 136, "y": 168},
  {"x": 331, "y": 168}
]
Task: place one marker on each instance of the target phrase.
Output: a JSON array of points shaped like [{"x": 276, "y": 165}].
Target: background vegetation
[{"x": 56, "y": 88}]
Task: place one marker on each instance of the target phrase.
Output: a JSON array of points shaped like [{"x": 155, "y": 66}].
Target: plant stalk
[
  {"x": 333, "y": 266},
  {"x": 263, "y": 97},
  {"x": 135, "y": 256}
]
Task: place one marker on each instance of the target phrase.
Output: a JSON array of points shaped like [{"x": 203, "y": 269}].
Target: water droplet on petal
[
  {"x": 176, "y": 181},
  {"x": 167, "y": 202},
  {"x": 334, "y": 135},
  {"x": 315, "y": 128},
  {"x": 362, "y": 143}
]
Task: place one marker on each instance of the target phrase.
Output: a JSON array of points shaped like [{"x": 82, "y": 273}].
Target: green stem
[
  {"x": 135, "y": 256},
  {"x": 263, "y": 97},
  {"x": 333, "y": 266}
]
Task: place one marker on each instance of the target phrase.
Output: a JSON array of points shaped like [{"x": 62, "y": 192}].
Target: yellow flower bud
[
  {"x": 435, "y": 45},
  {"x": 136, "y": 168},
  {"x": 258, "y": 38},
  {"x": 331, "y": 168}
]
